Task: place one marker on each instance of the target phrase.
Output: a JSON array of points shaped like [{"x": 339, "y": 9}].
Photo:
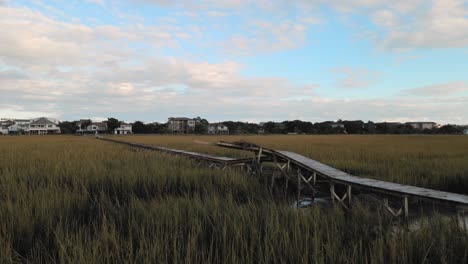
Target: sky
[{"x": 246, "y": 60}]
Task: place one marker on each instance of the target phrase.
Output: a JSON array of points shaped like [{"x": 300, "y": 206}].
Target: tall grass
[{"x": 80, "y": 200}]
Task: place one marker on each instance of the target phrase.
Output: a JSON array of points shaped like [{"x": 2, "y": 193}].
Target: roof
[
  {"x": 42, "y": 121},
  {"x": 101, "y": 124},
  {"x": 6, "y": 124}
]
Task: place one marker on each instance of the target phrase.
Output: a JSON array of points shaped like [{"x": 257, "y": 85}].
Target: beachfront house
[
  {"x": 181, "y": 125},
  {"x": 218, "y": 129}
]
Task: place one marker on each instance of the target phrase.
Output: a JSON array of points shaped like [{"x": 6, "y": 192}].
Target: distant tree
[
  {"x": 328, "y": 127},
  {"x": 369, "y": 127},
  {"x": 201, "y": 128},
  {"x": 112, "y": 123},
  {"x": 451, "y": 129},
  {"x": 306, "y": 127},
  {"x": 139, "y": 128},
  {"x": 269, "y": 127},
  {"x": 67, "y": 127},
  {"x": 201, "y": 120},
  {"x": 85, "y": 123},
  {"x": 385, "y": 128},
  {"x": 354, "y": 127}
]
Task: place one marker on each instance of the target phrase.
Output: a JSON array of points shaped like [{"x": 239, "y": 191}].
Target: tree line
[{"x": 285, "y": 127}]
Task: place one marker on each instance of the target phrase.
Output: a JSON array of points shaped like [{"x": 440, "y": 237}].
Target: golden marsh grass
[{"x": 69, "y": 199}]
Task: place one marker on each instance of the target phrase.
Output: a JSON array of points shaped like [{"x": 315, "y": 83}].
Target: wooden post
[
  {"x": 349, "y": 194},
  {"x": 332, "y": 191},
  {"x": 259, "y": 155},
  {"x": 272, "y": 182},
  {"x": 315, "y": 178},
  {"x": 405, "y": 207},
  {"x": 298, "y": 187},
  {"x": 461, "y": 217}
]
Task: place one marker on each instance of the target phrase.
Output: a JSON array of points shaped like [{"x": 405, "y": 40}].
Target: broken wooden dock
[{"x": 308, "y": 174}]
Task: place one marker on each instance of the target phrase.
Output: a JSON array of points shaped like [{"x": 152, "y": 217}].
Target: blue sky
[{"x": 243, "y": 60}]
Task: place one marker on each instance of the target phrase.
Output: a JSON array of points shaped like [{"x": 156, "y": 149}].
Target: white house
[
  {"x": 97, "y": 127},
  {"x": 37, "y": 126},
  {"x": 181, "y": 125},
  {"x": 4, "y": 130},
  {"x": 15, "y": 125},
  {"x": 465, "y": 131},
  {"x": 423, "y": 125},
  {"x": 43, "y": 126},
  {"x": 218, "y": 129},
  {"x": 4, "y": 124},
  {"x": 123, "y": 129}
]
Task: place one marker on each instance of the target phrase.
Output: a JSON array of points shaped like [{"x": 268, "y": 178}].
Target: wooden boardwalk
[
  {"x": 392, "y": 188},
  {"x": 307, "y": 174},
  {"x": 295, "y": 166},
  {"x": 199, "y": 156}
]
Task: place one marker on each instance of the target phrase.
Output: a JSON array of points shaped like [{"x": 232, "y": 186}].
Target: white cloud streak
[{"x": 438, "y": 90}]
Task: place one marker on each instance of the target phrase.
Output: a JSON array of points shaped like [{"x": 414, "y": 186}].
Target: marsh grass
[{"x": 80, "y": 200}]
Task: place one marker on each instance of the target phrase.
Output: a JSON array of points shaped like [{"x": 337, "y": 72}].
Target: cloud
[
  {"x": 352, "y": 78},
  {"x": 399, "y": 25},
  {"x": 438, "y": 90},
  {"x": 214, "y": 13},
  {"x": 266, "y": 36},
  {"x": 440, "y": 24},
  {"x": 12, "y": 75},
  {"x": 99, "y": 2},
  {"x": 70, "y": 70}
]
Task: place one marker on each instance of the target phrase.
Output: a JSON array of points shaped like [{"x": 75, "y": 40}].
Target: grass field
[{"x": 76, "y": 199}]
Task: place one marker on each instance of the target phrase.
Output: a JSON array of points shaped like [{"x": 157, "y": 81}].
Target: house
[
  {"x": 261, "y": 129},
  {"x": 4, "y": 129},
  {"x": 336, "y": 124},
  {"x": 332, "y": 124},
  {"x": 97, "y": 127},
  {"x": 181, "y": 125},
  {"x": 465, "y": 131},
  {"x": 4, "y": 124},
  {"x": 43, "y": 126},
  {"x": 423, "y": 125},
  {"x": 83, "y": 125},
  {"x": 218, "y": 129},
  {"x": 16, "y": 125},
  {"x": 123, "y": 129}
]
